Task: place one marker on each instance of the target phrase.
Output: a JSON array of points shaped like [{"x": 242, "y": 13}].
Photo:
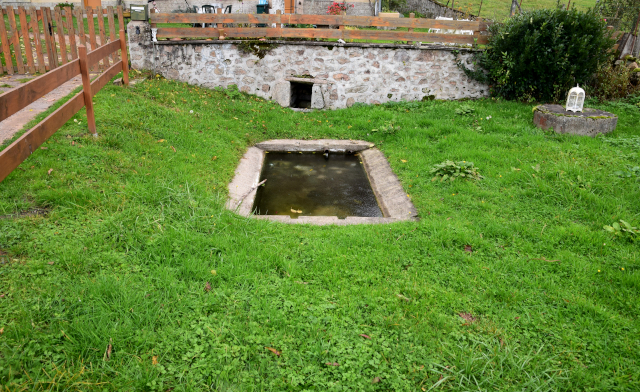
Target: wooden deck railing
[
  {"x": 14, "y": 100},
  {"x": 479, "y": 28},
  {"x": 48, "y": 39}
]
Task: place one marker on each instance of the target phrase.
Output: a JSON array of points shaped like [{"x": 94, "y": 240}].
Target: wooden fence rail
[
  {"x": 49, "y": 38},
  {"x": 14, "y": 100},
  {"x": 241, "y": 27}
]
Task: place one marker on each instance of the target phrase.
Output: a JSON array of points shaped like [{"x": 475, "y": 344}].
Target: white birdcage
[{"x": 575, "y": 99}]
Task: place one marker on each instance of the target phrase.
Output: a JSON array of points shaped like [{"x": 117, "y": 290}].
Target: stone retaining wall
[{"x": 340, "y": 74}]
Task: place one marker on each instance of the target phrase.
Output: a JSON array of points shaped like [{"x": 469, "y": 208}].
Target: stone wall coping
[
  {"x": 306, "y": 80},
  {"x": 317, "y": 43},
  {"x": 294, "y": 145}
]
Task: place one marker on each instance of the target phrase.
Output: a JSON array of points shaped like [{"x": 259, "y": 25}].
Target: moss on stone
[{"x": 258, "y": 48}]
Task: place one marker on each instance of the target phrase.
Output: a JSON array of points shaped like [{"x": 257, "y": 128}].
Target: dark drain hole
[{"x": 301, "y": 95}]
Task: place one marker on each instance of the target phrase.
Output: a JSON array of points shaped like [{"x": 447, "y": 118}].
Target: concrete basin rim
[{"x": 393, "y": 202}]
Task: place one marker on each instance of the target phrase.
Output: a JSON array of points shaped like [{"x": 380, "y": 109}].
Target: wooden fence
[
  {"x": 41, "y": 40},
  {"x": 240, "y": 25},
  {"x": 14, "y": 100}
]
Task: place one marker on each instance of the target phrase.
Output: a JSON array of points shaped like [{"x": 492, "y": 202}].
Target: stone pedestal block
[
  {"x": 589, "y": 122},
  {"x": 282, "y": 94},
  {"x": 317, "y": 101}
]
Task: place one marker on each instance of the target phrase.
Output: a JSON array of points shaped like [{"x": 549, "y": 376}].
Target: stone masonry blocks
[{"x": 366, "y": 73}]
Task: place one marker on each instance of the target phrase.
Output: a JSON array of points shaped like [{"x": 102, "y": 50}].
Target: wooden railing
[
  {"x": 221, "y": 32},
  {"x": 14, "y": 100},
  {"x": 48, "y": 39}
]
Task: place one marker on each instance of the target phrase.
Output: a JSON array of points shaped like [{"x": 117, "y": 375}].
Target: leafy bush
[
  {"x": 449, "y": 170},
  {"x": 64, "y": 5},
  {"x": 614, "y": 81},
  {"x": 623, "y": 230},
  {"x": 465, "y": 110},
  {"x": 539, "y": 55}
]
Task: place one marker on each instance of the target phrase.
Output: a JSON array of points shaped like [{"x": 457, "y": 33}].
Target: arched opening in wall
[{"x": 301, "y": 95}]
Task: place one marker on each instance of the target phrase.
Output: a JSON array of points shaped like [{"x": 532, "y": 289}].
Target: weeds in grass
[
  {"x": 622, "y": 229},
  {"x": 450, "y": 170},
  {"x": 464, "y": 110},
  {"x": 386, "y": 129}
]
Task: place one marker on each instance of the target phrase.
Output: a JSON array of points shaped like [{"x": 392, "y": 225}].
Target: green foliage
[
  {"x": 64, "y": 5},
  {"x": 464, "y": 110},
  {"x": 632, "y": 142},
  {"x": 387, "y": 128},
  {"x": 393, "y": 5},
  {"x": 621, "y": 14},
  {"x": 539, "y": 55},
  {"x": 631, "y": 171},
  {"x": 231, "y": 92},
  {"x": 613, "y": 82},
  {"x": 624, "y": 230},
  {"x": 256, "y": 47},
  {"x": 449, "y": 170}
]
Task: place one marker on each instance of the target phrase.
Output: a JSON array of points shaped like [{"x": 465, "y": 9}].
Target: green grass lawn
[
  {"x": 500, "y": 9},
  {"x": 506, "y": 283}
]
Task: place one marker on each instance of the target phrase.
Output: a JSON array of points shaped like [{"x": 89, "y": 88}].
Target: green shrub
[
  {"x": 613, "y": 82},
  {"x": 539, "y": 55}
]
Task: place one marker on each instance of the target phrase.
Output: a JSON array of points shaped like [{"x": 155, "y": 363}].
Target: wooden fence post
[
  {"x": 16, "y": 39},
  {"x": 411, "y": 15},
  {"x": 36, "y": 39},
  {"x": 86, "y": 89},
  {"x": 5, "y": 45},
  {"x": 71, "y": 32},
  {"x": 125, "y": 58},
  {"x": 220, "y": 25},
  {"x": 26, "y": 41}
]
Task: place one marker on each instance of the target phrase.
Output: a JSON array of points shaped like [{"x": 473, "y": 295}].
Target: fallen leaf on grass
[
  {"x": 160, "y": 141},
  {"x": 173, "y": 148},
  {"x": 375, "y": 380},
  {"x": 300, "y": 282},
  {"x": 51, "y": 263},
  {"x": 207, "y": 287},
  {"x": 467, "y": 316},
  {"x": 365, "y": 336},
  {"x": 1, "y": 330},
  {"x": 468, "y": 248},
  {"x": 536, "y": 168},
  {"x": 403, "y": 160},
  {"x": 515, "y": 169},
  {"x": 214, "y": 158},
  {"x": 213, "y": 272},
  {"x": 332, "y": 364},
  {"x": 154, "y": 360},
  {"x": 107, "y": 353},
  {"x": 273, "y": 350},
  {"x": 403, "y": 297},
  {"x": 43, "y": 148},
  {"x": 49, "y": 171}
]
